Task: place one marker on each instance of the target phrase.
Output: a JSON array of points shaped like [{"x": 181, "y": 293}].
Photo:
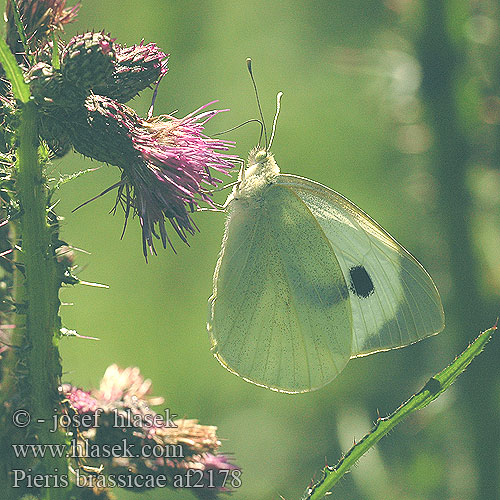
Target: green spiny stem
[
  {"x": 32, "y": 368},
  {"x": 41, "y": 286},
  {"x": 434, "y": 387},
  {"x": 20, "y": 30}
]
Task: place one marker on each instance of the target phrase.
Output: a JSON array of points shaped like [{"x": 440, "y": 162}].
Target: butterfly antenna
[
  {"x": 278, "y": 106},
  {"x": 263, "y": 129},
  {"x": 241, "y": 125}
]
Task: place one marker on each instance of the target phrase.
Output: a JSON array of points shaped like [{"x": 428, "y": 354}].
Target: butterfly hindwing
[
  {"x": 280, "y": 314},
  {"x": 393, "y": 300}
]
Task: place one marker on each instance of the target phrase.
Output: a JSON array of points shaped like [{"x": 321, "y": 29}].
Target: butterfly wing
[
  {"x": 279, "y": 315},
  {"x": 394, "y": 301}
]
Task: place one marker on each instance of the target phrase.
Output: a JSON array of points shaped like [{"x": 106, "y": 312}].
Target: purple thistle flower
[
  {"x": 119, "y": 384},
  {"x": 123, "y": 397},
  {"x": 178, "y": 156},
  {"x": 165, "y": 163},
  {"x": 81, "y": 401}
]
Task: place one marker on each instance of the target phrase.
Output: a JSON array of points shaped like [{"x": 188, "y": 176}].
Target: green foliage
[
  {"x": 432, "y": 389},
  {"x": 14, "y": 74},
  {"x": 20, "y": 30}
]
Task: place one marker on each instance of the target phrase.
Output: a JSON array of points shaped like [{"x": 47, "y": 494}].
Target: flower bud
[
  {"x": 57, "y": 101},
  {"x": 87, "y": 60},
  {"x": 136, "y": 68},
  {"x": 40, "y": 18}
]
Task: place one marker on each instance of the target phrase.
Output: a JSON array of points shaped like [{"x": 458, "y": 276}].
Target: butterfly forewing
[
  {"x": 280, "y": 314},
  {"x": 393, "y": 300}
]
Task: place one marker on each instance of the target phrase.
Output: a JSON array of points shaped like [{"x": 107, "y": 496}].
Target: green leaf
[
  {"x": 432, "y": 389},
  {"x": 20, "y": 30},
  {"x": 13, "y": 72},
  {"x": 64, "y": 178}
]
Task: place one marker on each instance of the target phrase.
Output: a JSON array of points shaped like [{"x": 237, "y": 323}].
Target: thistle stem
[
  {"x": 434, "y": 388},
  {"x": 39, "y": 316}
]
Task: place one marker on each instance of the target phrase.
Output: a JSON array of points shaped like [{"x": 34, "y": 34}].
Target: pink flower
[
  {"x": 188, "y": 449},
  {"x": 166, "y": 163}
]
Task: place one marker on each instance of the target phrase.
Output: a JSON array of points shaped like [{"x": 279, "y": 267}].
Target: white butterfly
[{"x": 306, "y": 280}]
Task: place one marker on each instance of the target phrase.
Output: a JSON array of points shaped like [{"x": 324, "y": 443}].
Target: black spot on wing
[{"x": 361, "y": 283}]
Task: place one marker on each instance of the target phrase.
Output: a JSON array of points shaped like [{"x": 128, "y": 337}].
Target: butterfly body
[{"x": 305, "y": 281}]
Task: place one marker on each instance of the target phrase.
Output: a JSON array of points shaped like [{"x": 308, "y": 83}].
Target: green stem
[
  {"x": 20, "y": 30},
  {"x": 32, "y": 368},
  {"x": 434, "y": 387},
  {"x": 41, "y": 288},
  {"x": 55, "y": 52}
]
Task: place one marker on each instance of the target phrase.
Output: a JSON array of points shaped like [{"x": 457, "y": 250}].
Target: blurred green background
[{"x": 395, "y": 105}]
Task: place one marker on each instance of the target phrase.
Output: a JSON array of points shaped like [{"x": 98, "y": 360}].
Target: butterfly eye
[{"x": 260, "y": 156}]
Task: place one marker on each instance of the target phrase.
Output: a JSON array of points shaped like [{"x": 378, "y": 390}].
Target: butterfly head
[
  {"x": 260, "y": 163},
  {"x": 260, "y": 156},
  {"x": 261, "y": 171}
]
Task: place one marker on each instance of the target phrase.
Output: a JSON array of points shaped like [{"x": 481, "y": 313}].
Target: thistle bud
[
  {"x": 40, "y": 18},
  {"x": 45, "y": 83},
  {"x": 56, "y": 101},
  {"x": 136, "y": 68},
  {"x": 87, "y": 60}
]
